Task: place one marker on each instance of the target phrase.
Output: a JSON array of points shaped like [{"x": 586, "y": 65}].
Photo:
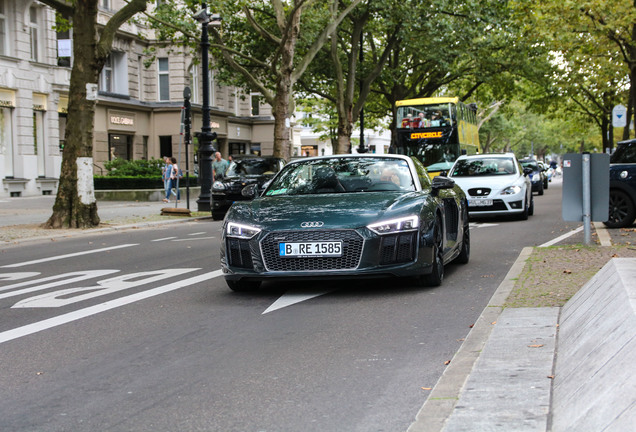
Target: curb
[
  {"x": 441, "y": 401},
  {"x": 80, "y": 232}
]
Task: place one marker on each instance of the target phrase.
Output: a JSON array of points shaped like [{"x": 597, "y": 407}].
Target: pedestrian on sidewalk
[
  {"x": 175, "y": 173},
  {"x": 165, "y": 175}
]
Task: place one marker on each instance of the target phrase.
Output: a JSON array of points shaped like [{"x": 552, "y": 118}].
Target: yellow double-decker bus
[{"x": 436, "y": 131}]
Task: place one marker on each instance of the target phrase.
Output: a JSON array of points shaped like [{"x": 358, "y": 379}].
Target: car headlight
[
  {"x": 536, "y": 177},
  {"x": 241, "y": 231},
  {"x": 511, "y": 190},
  {"x": 408, "y": 223},
  {"x": 217, "y": 185}
]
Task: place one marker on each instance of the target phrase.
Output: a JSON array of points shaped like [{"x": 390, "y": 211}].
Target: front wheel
[
  {"x": 436, "y": 276},
  {"x": 464, "y": 254},
  {"x": 621, "y": 210}
]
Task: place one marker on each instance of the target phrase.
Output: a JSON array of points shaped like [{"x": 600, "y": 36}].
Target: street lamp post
[{"x": 206, "y": 136}]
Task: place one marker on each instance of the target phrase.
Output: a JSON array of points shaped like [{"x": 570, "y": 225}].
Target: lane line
[
  {"x": 193, "y": 239},
  {"x": 563, "y": 237},
  {"x": 163, "y": 239},
  {"x": 103, "y": 307},
  {"x": 59, "y": 257},
  {"x": 197, "y": 233},
  {"x": 292, "y": 298}
]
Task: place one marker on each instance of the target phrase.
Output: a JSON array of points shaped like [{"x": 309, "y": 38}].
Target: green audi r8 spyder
[{"x": 346, "y": 216}]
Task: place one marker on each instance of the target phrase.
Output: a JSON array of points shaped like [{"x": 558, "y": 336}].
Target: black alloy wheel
[
  {"x": 621, "y": 210},
  {"x": 436, "y": 276}
]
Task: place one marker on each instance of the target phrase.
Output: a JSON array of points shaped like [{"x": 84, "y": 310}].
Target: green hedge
[{"x": 129, "y": 182}]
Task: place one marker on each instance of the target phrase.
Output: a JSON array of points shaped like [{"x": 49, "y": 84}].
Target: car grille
[
  {"x": 239, "y": 254},
  {"x": 479, "y": 192},
  {"x": 351, "y": 251},
  {"x": 398, "y": 248},
  {"x": 496, "y": 206}
]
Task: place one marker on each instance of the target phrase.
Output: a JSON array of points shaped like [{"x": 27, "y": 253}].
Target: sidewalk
[
  {"x": 501, "y": 379},
  {"x": 20, "y": 218}
]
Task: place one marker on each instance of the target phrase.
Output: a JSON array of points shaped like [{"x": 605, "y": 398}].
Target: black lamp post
[{"x": 206, "y": 136}]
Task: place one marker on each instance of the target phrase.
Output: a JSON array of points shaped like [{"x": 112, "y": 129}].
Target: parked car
[
  {"x": 244, "y": 170},
  {"x": 538, "y": 177},
  {"x": 495, "y": 184},
  {"x": 346, "y": 216},
  {"x": 622, "y": 196}
]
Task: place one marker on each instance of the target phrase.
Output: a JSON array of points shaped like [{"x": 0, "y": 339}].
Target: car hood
[
  {"x": 248, "y": 179},
  {"x": 334, "y": 210}
]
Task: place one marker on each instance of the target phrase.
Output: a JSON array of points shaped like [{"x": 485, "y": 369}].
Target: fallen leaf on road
[
  {"x": 551, "y": 376},
  {"x": 426, "y": 388},
  {"x": 494, "y": 322},
  {"x": 567, "y": 271},
  {"x": 535, "y": 346},
  {"x": 447, "y": 362}
]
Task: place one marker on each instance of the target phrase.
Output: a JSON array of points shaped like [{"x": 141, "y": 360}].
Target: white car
[{"x": 495, "y": 184}]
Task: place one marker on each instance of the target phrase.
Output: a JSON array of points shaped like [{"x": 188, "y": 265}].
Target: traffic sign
[{"x": 619, "y": 116}]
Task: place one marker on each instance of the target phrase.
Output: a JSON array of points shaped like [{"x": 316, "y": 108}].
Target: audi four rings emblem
[{"x": 316, "y": 224}]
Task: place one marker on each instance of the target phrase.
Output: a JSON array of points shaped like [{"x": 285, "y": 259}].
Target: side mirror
[
  {"x": 250, "y": 191},
  {"x": 527, "y": 171},
  {"x": 438, "y": 183}
]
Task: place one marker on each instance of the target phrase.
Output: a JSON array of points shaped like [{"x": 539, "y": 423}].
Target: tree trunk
[
  {"x": 70, "y": 209},
  {"x": 345, "y": 128}
]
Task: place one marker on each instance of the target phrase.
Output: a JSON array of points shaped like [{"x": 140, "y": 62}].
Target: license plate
[
  {"x": 479, "y": 202},
  {"x": 310, "y": 249}
]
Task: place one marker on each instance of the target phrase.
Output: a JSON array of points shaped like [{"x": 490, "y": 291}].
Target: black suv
[
  {"x": 622, "y": 198},
  {"x": 244, "y": 170},
  {"x": 537, "y": 177}
]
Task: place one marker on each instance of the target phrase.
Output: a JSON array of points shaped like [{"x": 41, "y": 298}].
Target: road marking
[
  {"x": 563, "y": 237},
  {"x": 482, "y": 225},
  {"x": 62, "y": 279},
  {"x": 291, "y": 298},
  {"x": 17, "y": 276},
  {"x": 102, "y": 287},
  {"x": 193, "y": 239},
  {"x": 93, "y": 310},
  {"x": 59, "y": 257},
  {"x": 163, "y": 239},
  {"x": 198, "y": 233}
]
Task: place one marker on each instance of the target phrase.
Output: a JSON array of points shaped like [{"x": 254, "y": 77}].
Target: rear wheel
[
  {"x": 526, "y": 208},
  {"x": 436, "y": 276},
  {"x": 243, "y": 285},
  {"x": 531, "y": 208},
  {"x": 621, "y": 210}
]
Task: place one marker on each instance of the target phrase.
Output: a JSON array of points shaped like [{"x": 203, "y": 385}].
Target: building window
[
  {"x": 38, "y": 140},
  {"x": 163, "y": 67},
  {"x": 119, "y": 146},
  {"x": 6, "y": 144},
  {"x": 34, "y": 28},
  {"x": 256, "y": 103},
  {"x": 105, "y": 4},
  {"x": 64, "y": 48},
  {"x": 165, "y": 145},
  {"x": 140, "y": 75},
  {"x": 194, "y": 83},
  {"x": 114, "y": 75},
  {"x": 3, "y": 29}
]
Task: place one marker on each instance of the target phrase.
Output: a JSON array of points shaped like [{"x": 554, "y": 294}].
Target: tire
[
  {"x": 531, "y": 208},
  {"x": 436, "y": 276},
  {"x": 621, "y": 210},
  {"x": 243, "y": 285},
  {"x": 526, "y": 210},
  {"x": 545, "y": 183},
  {"x": 217, "y": 216},
  {"x": 541, "y": 189},
  {"x": 464, "y": 254}
]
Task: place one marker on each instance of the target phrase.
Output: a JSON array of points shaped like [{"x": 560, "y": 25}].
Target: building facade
[{"x": 139, "y": 102}]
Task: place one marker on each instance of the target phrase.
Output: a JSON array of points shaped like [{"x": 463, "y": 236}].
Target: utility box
[{"x": 573, "y": 190}]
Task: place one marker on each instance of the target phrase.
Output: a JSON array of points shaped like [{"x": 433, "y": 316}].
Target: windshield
[
  {"x": 425, "y": 116},
  {"x": 530, "y": 164},
  {"x": 434, "y": 155},
  {"x": 483, "y": 167},
  {"x": 625, "y": 153},
  {"x": 257, "y": 167},
  {"x": 343, "y": 175}
]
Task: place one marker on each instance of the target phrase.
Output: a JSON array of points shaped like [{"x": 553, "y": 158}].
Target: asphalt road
[{"x": 136, "y": 331}]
